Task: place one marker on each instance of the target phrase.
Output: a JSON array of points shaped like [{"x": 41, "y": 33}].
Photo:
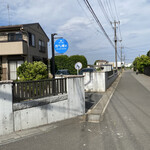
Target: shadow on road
[{"x": 91, "y": 99}]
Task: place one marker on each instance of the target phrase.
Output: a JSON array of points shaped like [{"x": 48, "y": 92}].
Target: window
[
  {"x": 41, "y": 46},
  {"x": 15, "y": 36},
  {"x": 31, "y": 39},
  {"x": 13, "y": 65}
]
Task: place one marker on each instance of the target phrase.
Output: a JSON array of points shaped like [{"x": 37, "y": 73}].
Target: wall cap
[{"x": 6, "y": 82}]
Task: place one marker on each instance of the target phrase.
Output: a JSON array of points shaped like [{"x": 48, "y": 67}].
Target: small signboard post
[{"x": 78, "y": 66}]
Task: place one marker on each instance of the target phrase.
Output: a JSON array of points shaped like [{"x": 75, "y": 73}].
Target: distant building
[
  {"x": 128, "y": 64},
  {"x": 118, "y": 64},
  {"x": 99, "y": 63},
  {"x": 106, "y": 67},
  {"x": 19, "y": 43}
]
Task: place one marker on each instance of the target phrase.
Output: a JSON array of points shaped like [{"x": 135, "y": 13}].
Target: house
[
  {"x": 19, "y": 43},
  {"x": 119, "y": 64},
  {"x": 99, "y": 63}
]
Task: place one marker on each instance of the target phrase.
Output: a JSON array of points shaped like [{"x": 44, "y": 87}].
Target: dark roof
[
  {"x": 17, "y": 27},
  {"x": 101, "y": 61}
]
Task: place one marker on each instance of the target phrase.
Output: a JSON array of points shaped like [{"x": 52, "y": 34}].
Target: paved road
[{"x": 126, "y": 124}]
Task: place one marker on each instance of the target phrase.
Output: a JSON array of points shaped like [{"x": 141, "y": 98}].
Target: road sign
[
  {"x": 78, "y": 66},
  {"x": 61, "y": 46}
]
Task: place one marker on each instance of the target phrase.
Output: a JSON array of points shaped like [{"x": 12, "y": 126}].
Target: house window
[
  {"x": 41, "y": 46},
  {"x": 31, "y": 39},
  {"x": 15, "y": 36},
  {"x": 13, "y": 65}
]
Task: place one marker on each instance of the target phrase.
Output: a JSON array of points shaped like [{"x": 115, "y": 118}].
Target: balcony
[{"x": 13, "y": 48}]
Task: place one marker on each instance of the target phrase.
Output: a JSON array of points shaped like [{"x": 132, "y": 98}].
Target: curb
[{"x": 96, "y": 113}]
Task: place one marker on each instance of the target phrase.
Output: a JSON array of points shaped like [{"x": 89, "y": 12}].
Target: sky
[{"x": 72, "y": 20}]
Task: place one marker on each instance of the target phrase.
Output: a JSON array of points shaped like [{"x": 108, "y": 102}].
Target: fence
[
  {"x": 110, "y": 73},
  {"x": 37, "y": 89}
]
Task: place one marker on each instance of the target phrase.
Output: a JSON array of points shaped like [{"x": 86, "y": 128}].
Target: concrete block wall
[
  {"x": 98, "y": 81},
  {"x": 95, "y": 82},
  {"x": 6, "y": 112},
  {"x": 24, "y": 115}
]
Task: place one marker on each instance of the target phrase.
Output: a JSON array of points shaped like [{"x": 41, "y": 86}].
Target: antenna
[{"x": 8, "y": 14}]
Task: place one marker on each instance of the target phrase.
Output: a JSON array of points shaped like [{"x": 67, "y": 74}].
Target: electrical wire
[
  {"x": 104, "y": 12},
  {"x": 109, "y": 9},
  {"x": 97, "y": 20},
  {"x": 117, "y": 19},
  {"x": 88, "y": 16}
]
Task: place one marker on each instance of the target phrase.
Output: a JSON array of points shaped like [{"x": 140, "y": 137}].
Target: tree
[
  {"x": 135, "y": 63},
  {"x": 32, "y": 71},
  {"x": 141, "y": 62},
  {"x": 73, "y": 60},
  {"x": 65, "y": 62},
  {"x": 148, "y": 53},
  {"x": 61, "y": 62}
]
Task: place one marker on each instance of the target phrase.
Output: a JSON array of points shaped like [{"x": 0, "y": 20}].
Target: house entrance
[{"x": 13, "y": 65}]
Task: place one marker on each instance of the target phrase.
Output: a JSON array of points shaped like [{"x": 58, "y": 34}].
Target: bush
[
  {"x": 32, "y": 71},
  {"x": 141, "y": 62}
]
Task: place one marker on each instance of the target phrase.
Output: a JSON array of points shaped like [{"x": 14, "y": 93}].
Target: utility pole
[
  {"x": 53, "y": 55},
  {"x": 115, "y": 39},
  {"x": 124, "y": 61},
  {"x": 121, "y": 56},
  {"x": 53, "y": 64}
]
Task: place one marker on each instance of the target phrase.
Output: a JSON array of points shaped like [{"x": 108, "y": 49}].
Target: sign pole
[
  {"x": 53, "y": 55},
  {"x": 53, "y": 64}
]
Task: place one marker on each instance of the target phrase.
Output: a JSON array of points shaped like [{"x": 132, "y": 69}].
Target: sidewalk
[{"x": 143, "y": 79}]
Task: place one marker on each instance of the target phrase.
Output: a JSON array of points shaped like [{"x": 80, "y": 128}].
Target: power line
[
  {"x": 104, "y": 12},
  {"x": 116, "y": 9},
  {"x": 117, "y": 19},
  {"x": 88, "y": 16},
  {"x": 97, "y": 20},
  {"x": 110, "y": 9}
]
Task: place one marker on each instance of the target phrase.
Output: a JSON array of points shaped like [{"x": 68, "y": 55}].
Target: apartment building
[{"x": 19, "y": 43}]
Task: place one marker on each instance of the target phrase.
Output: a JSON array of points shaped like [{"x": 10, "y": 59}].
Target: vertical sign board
[{"x": 61, "y": 46}]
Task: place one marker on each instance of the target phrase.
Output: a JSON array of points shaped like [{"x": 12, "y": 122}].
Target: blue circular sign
[{"x": 61, "y": 46}]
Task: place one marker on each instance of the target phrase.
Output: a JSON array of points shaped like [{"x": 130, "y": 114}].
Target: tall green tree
[
  {"x": 148, "y": 53},
  {"x": 73, "y": 60},
  {"x": 65, "y": 62},
  {"x": 61, "y": 62}
]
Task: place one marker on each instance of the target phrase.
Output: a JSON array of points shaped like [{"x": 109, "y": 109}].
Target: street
[{"x": 125, "y": 126}]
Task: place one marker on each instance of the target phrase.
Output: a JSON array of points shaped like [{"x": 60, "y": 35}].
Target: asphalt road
[{"x": 126, "y": 124}]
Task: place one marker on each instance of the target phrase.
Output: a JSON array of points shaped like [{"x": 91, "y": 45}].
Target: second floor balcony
[{"x": 13, "y": 48}]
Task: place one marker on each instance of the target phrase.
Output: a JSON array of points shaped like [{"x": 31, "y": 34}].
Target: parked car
[
  {"x": 87, "y": 70},
  {"x": 63, "y": 72}
]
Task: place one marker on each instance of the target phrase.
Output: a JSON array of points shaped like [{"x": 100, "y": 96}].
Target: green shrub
[
  {"x": 32, "y": 71},
  {"x": 141, "y": 62}
]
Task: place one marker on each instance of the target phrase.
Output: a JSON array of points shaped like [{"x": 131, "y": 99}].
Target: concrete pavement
[{"x": 125, "y": 126}]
